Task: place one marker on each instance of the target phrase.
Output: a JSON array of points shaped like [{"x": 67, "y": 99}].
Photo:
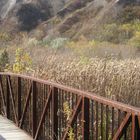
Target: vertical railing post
[
  {"x": 19, "y": 99},
  {"x": 137, "y": 127},
  {"x": 97, "y": 119},
  {"x": 133, "y": 127},
  {"x": 107, "y": 122},
  {"x": 34, "y": 119},
  {"x": 54, "y": 113},
  {"x": 85, "y": 118},
  {"x": 3, "y": 102},
  {"x": 7, "y": 99}
]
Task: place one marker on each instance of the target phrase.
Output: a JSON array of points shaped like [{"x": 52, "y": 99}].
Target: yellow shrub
[
  {"x": 22, "y": 62},
  {"x": 5, "y": 37}
]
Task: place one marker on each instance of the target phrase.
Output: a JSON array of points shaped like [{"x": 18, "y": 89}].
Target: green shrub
[
  {"x": 135, "y": 41},
  {"x": 4, "y": 60},
  {"x": 45, "y": 42},
  {"x": 58, "y": 42},
  {"x": 129, "y": 13},
  {"x": 119, "y": 33},
  {"x": 111, "y": 33},
  {"x": 5, "y": 36}
]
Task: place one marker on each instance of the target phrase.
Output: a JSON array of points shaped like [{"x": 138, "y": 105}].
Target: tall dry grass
[
  {"x": 115, "y": 79},
  {"x": 105, "y": 69}
]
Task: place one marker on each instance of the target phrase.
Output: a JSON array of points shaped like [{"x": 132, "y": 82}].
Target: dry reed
[{"x": 115, "y": 79}]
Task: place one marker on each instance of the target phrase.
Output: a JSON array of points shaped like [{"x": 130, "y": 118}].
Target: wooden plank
[{"x": 8, "y": 131}]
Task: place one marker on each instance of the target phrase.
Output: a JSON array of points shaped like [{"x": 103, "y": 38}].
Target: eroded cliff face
[
  {"x": 54, "y": 17},
  {"x": 27, "y": 14},
  {"x": 50, "y": 5},
  {"x": 69, "y": 18},
  {"x": 5, "y": 7},
  {"x": 53, "y": 5}
]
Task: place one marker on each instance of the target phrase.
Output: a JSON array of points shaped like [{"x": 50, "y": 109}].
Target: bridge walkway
[{"x": 9, "y": 131}]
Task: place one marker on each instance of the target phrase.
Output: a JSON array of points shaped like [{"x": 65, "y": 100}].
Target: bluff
[{"x": 70, "y": 18}]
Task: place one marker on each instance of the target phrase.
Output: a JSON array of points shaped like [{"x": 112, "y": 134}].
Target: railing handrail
[{"x": 103, "y": 100}]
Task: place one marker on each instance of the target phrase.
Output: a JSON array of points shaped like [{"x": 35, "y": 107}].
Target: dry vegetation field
[
  {"x": 109, "y": 70},
  {"x": 108, "y": 64},
  {"x": 115, "y": 79}
]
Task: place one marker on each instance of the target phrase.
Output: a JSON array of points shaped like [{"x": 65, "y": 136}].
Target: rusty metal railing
[{"x": 40, "y": 108}]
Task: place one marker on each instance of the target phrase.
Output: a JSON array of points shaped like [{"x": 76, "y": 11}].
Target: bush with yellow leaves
[
  {"x": 68, "y": 113},
  {"x": 5, "y": 36},
  {"x": 4, "y": 60},
  {"x": 23, "y": 62}
]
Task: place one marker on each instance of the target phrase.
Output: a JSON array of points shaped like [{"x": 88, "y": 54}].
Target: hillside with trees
[{"x": 93, "y": 45}]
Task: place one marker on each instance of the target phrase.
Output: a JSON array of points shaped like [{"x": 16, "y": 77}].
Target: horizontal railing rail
[{"x": 50, "y": 111}]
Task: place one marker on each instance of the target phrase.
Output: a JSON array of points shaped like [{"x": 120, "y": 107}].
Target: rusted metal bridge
[{"x": 40, "y": 108}]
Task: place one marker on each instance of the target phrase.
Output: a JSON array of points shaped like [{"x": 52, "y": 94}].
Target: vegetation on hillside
[
  {"x": 82, "y": 64},
  {"x": 29, "y": 16},
  {"x": 107, "y": 64}
]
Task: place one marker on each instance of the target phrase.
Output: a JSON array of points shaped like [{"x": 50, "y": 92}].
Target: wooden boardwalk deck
[{"x": 8, "y": 131}]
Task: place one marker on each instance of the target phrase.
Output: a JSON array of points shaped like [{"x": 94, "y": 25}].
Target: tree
[{"x": 29, "y": 16}]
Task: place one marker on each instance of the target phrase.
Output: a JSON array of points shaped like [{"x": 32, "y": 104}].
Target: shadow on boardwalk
[{"x": 2, "y": 138}]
